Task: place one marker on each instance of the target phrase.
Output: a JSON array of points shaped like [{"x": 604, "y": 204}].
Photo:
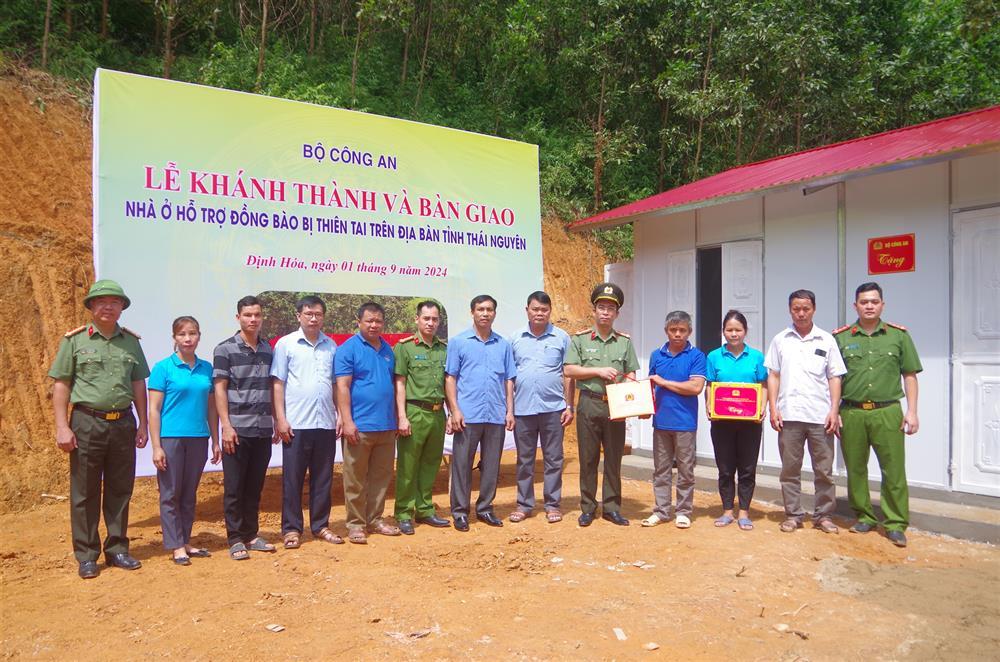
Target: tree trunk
[
  {"x": 312, "y": 26},
  {"x": 263, "y": 45},
  {"x": 104, "y": 19},
  {"x": 701, "y": 115},
  {"x": 68, "y": 18},
  {"x": 599, "y": 144},
  {"x": 406, "y": 47},
  {"x": 661, "y": 165},
  {"x": 354, "y": 62},
  {"x": 423, "y": 58},
  {"x": 45, "y": 34},
  {"x": 168, "y": 38}
]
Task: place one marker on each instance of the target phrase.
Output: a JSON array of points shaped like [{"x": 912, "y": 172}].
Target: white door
[
  {"x": 743, "y": 285},
  {"x": 976, "y": 351},
  {"x": 681, "y": 293}
]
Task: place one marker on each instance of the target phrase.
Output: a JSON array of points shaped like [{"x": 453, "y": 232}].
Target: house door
[
  {"x": 743, "y": 286},
  {"x": 976, "y": 352}
]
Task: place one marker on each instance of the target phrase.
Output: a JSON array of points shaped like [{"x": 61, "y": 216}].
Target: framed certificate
[
  {"x": 729, "y": 401},
  {"x": 630, "y": 398}
]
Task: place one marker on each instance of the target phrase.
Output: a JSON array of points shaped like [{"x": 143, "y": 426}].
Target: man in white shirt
[{"x": 803, "y": 391}]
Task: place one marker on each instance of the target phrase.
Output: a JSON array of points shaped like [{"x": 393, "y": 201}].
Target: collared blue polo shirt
[
  {"x": 185, "y": 396},
  {"x": 373, "y": 398},
  {"x": 747, "y": 368},
  {"x": 539, "y": 362},
  {"x": 481, "y": 370},
  {"x": 675, "y": 412},
  {"x": 307, "y": 371}
]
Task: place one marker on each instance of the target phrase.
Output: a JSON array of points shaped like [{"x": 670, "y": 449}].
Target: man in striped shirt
[{"x": 241, "y": 372}]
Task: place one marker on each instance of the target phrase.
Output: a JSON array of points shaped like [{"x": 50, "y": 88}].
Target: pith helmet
[
  {"x": 106, "y": 288},
  {"x": 608, "y": 292}
]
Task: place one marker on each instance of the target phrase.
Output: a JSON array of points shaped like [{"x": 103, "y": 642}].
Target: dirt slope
[{"x": 46, "y": 266}]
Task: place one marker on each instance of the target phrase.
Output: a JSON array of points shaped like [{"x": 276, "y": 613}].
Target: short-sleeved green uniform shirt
[
  {"x": 423, "y": 367},
  {"x": 589, "y": 350},
  {"x": 100, "y": 370},
  {"x": 875, "y": 362}
]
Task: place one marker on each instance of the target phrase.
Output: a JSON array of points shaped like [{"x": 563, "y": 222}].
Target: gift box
[
  {"x": 630, "y": 398},
  {"x": 735, "y": 402}
]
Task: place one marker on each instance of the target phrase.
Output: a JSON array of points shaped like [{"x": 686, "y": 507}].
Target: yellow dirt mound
[{"x": 46, "y": 265}]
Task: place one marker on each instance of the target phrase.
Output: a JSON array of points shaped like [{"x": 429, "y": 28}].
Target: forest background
[{"x": 625, "y": 98}]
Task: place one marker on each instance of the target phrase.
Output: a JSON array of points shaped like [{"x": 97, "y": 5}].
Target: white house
[{"x": 747, "y": 237}]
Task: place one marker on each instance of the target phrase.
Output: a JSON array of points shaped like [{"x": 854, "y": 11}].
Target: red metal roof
[{"x": 908, "y": 146}]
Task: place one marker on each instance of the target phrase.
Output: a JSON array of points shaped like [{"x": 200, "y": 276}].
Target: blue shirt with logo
[
  {"x": 185, "y": 396},
  {"x": 539, "y": 361},
  {"x": 676, "y": 412},
  {"x": 747, "y": 368},
  {"x": 373, "y": 399},
  {"x": 481, "y": 370}
]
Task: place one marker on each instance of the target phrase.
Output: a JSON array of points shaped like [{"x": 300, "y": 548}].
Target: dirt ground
[{"x": 526, "y": 591}]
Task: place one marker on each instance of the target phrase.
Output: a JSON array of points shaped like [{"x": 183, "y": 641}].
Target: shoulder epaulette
[
  {"x": 896, "y": 326},
  {"x": 623, "y": 335},
  {"x": 75, "y": 331},
  {"x": 444, "y": 341},
  {"x": 130, "y": 331},
  {"x": 580, "y": 333},
  {"x": 841, "y": 329},
  {"x": 408, "y": 339}
]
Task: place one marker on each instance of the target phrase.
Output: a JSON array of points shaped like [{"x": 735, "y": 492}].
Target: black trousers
[
  {"x": 243, "y": 475},
  {"x": 314, "y": 450},
  {"x": 737, "y": 445}
]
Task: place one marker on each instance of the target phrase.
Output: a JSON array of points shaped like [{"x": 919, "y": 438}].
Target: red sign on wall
[{"x": 887, "y": 255}]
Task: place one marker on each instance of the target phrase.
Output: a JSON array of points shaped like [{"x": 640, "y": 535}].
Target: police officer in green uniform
[
  {"x": 420, "y": 360},
  {"x": 877, "y": 353},
  {"x": 101, "y": 370},
  {"x": 598, "y": 356}
]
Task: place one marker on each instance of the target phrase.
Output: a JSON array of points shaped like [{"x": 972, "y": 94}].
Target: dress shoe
[
  {"x": 489, "y": 518},
  {"x": 123, "y": 561},
  {"x": 434, "y": 521},
  {"x": 406, "y": 527},
  {"x": 88, "y": 569},
  {"x": 898, "y": 538},
  {"x": 461, "y": 523},
  {"x": 615, "y": 518},
  {"x": 585, "y": 519},
  {"x": 863, "y": 527}
]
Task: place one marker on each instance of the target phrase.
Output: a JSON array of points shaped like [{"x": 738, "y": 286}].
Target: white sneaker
[
  {"x": 653, "y": 520},
  {"x": 683, "y": 522}
]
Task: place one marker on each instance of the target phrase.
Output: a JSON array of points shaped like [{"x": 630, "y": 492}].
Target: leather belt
[
  {"x": 426, "y": 406},
  {"x": 112, "y": 415},
  {"x": 596, "y": 396},
  {"x": 867, "y": 405}
]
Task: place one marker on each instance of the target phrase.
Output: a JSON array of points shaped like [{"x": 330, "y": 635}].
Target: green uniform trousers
[
  {"x": 876, "y": 429},
  {"x": 105, "y": 450},
  {"x": 594, "y": 431},
  {"x": 418, "y": 459}
]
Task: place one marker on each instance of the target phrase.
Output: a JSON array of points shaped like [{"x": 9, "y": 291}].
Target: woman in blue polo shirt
[
  {"x": 736, "y": 443},
  {"x": 182, "y": 416}
]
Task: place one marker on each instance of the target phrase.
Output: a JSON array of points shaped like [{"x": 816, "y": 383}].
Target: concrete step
[{"x": 979, "y": 521}]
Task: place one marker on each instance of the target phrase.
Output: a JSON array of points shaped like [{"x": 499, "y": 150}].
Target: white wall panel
[
  {"x": 975, "y": 181},
  {"x": 730, "y": 222}
]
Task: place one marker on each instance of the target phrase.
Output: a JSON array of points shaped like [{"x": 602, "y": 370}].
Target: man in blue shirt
[
  {"x": 366, "y": 401},
  {"x": 540, "y": 410},
  {"x": 479, "y": 386},
  {"x": 305, "y": 420},
  {"x": 678, "y": 371}
]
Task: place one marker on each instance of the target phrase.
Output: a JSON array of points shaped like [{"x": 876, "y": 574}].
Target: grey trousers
[
  {"x": 368, "y": 468},
  {"x": 792, "y": 440},
  {"x": 529, "y": 431},
  {"x": 668, "y": 446},
  {"x": 489, "y": 438},
  {"x": 179, "y": 487}
]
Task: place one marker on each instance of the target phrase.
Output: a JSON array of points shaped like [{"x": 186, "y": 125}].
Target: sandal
[
  {"x": 745, "y": 524},
  {"x": 652, "y": 520},
  {"x": 238, "y": 552},
  {"x": 553, "y": 516},
  {"x": 826, "y": 525},
  {"x": 790, "y": 525},
  {"x": 291, "y": 540},
  {"x": 725, "y": 520},
  {"x": 329, "y": 536},
  {"x": 384, "y": 529},
  {"x": 199, "y": 553},
  {"x": 518, "y": 516},
  {"x": 258, "y": 544},
  {"x": 357, "y": 536}
]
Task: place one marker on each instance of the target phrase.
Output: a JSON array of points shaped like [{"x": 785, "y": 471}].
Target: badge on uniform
[{"x": 820, "y": 352}]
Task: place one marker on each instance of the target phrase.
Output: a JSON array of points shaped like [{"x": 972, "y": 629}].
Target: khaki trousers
[
  {"x": 367, "y": 474},
  {"x": 792, "y": 440}
]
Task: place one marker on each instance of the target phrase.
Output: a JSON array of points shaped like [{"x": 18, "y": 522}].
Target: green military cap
[
  {"x": 609, "y": 292},
  {"x": 106, "y": 288}
]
